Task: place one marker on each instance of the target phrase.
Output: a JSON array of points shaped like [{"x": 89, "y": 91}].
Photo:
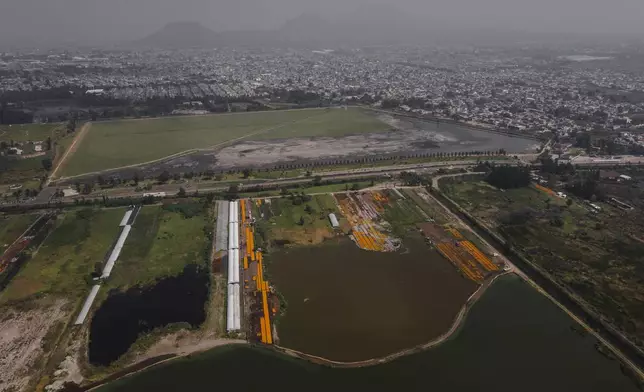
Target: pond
[
  {"x": 123, "y": 316},
  {"x": 347, "y": 304}
]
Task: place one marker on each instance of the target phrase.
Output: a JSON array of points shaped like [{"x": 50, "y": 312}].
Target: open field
[
  {"x": 597, "y": 255},
  {"x": 333, "y": 123},
  {"x": 163, "y": 240},
  {"x": 27, "y": 132},
  {"x": 63, "y": 264},
  {"x": 296, "y": 219},
  {"x": 20, "y": 171},
  {"x": 121, "y": 143}
]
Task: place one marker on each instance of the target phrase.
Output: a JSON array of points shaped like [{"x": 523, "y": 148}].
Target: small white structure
[
  {"x": 116, "y": 252},
  {"x": 38, "y": 147},
  {"x": 70, "y": 192},
  {"x": 334, "y": 220},
  {"x": 126, "y": 218},
  {"x": 625, "y": 177},
  {"x": 87, "y": 305}
]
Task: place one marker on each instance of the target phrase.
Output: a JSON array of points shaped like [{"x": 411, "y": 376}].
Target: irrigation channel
[
  {"x": 112, "y": 256},
  {"x": 513, "y": 339}
]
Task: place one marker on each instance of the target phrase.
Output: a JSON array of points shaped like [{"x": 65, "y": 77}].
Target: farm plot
[
  {"x": 63, "y": 264},
  {"x": 369, "y": 230},
  {"x": 462, "y": 253}
]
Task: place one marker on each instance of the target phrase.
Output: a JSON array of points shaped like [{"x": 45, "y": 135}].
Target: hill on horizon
[{"x": 181, "y": 34}]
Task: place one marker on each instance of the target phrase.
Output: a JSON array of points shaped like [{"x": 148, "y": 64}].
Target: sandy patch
[
  {"x": 183, "y": 343},
  {"x": 22, "y": 336}
]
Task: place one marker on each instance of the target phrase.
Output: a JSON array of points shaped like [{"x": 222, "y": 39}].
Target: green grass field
[
  {"x": 121, "y": 143},
  {"x": 27, "y": 132},
  {"x": 161, "y": 243},
  {"x": 20, "y": 171},
  {"x": 333, "y": 123},
  {"x": 12, "y": 226},
  {"x": 66, "y": 259}
]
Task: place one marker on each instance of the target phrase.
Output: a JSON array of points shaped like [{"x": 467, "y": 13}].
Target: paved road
[{"x": 357, "y": 174}]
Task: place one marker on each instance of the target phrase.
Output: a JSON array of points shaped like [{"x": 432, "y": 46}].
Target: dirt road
[{"x": 72, "y": 148}]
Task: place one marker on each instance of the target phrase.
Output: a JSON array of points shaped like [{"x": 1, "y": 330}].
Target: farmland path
[
  {"x": 181, "y": 153},
  {"x": 79, "y": 137}
]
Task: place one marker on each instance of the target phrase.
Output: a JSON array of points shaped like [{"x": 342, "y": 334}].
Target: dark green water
[
  {"x": 514, "y": 339},
  {"x": 347, "y": 304}
]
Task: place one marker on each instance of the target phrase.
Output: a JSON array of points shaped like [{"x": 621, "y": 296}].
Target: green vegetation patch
[
  {"x": 17, "y": 171},
  {"x": 12, "y": 226},
  {"x": 163, "y": 240},
  {"x": 66, "y": 259},
  {"x": 598, "y": 255},
  {"x": 402, "y": 214},
  {"x": 297, "y": 219},
  {"x": 27, "y": 132},
  {"x": 332, "y": 123},
  {"x": 307, "y": 210}
]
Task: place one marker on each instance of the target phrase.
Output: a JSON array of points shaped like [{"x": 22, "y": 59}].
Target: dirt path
[
  {"x": 72, "y": 148},
  {"x": 181, "y": 153},
  {"x": 458, "y": 322}
]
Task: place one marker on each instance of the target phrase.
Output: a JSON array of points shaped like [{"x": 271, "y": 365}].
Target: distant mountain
[
  {"x": 181, "y": 35},
  {"x": 365, "y": 26}
]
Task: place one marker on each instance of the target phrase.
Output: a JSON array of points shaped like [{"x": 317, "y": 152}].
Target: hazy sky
[{"x": 114, "y": 20}]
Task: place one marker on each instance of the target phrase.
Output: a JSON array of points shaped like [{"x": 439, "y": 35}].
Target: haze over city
[
  {"x": 339, "y": 195},
  {"x": 101, "y": 22}
]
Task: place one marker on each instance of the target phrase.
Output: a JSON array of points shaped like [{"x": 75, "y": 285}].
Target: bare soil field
[{"x": 24, "y": 335}]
